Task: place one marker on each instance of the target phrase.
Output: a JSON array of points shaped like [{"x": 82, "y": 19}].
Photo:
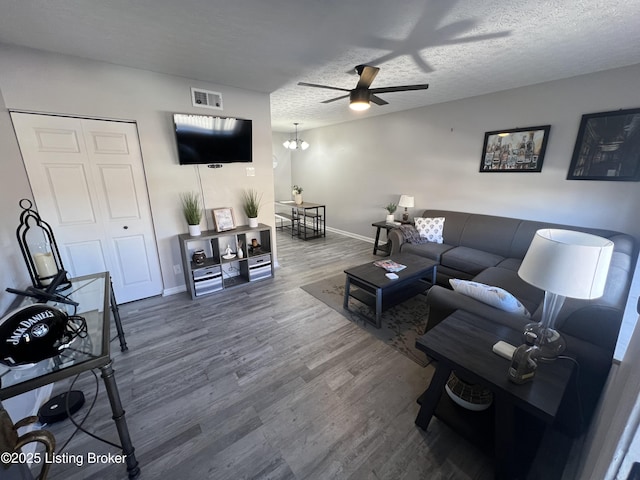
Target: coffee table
[
  {"x": 463, "y": 342},
  {"x": 378, "y": 291}
]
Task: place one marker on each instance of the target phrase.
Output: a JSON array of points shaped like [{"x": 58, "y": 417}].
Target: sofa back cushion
[{"x": 481, "y": 232}]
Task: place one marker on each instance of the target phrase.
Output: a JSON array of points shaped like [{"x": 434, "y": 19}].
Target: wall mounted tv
[{"x": 206, "y": 139}]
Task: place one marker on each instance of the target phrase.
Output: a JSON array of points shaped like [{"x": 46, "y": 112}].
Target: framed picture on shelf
[
  {"x": 607, "y": 147},
  {"x": 223, "y": 219},
  {"x": 514, "y": 150}
]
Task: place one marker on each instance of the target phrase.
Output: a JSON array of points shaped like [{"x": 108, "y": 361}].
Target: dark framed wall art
[
  {"x": 607, "y": 147},
  {"x": 515, "y": 150}
]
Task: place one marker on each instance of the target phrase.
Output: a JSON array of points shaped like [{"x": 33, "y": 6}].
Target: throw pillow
[
  {"x": 494, "y": 296},
  {"x": 430, "y": 228}
]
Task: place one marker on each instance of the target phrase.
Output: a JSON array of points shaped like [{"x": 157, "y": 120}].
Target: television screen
[{"x": 208, "y": 139}]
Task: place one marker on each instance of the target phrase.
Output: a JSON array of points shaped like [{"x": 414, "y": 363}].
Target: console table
[
  {"x": 93, "y": 293},
  {"x": 463, "y": 342}
]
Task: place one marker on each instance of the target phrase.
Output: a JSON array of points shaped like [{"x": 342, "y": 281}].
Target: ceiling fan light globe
[
  {"x": 359, "y": 100},
  {"x": 304, "y": 145},
  {"x": 359, "y": 106},
  {"x": 286, "y": 144}
]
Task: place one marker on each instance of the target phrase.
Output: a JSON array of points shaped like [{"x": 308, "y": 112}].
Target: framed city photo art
[
  {"x": 224, "y": 219},
  {"x": 515, "y": 150},
  {"x": 607, "y": 147}
]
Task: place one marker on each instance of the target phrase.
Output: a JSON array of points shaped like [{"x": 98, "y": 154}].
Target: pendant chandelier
[{"x": 295, "y": 144}]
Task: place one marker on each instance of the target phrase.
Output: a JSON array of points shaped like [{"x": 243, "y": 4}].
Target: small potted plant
[
  {"x": 297, "y": 194},
  {"x": 251, "y": 205},
  {"x": 391, "y": 208},
  {"x": 192, "y": 212}
]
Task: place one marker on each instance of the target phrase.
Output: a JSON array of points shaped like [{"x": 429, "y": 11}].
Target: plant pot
[
  {"x": 194, "y": 230},
  {"x": 298, "y": 198},
  {"x": 253, "y": 222},
  {"x": 390, "y": 218}
]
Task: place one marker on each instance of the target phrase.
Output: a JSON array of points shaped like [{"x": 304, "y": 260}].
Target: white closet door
[{"x": 88, "y": 183}]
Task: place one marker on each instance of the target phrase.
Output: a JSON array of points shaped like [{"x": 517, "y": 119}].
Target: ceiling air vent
[{"x": 206, "y": 99}]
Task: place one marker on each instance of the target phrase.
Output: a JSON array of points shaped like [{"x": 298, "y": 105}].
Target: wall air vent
[{"x": 206, "y": 99}]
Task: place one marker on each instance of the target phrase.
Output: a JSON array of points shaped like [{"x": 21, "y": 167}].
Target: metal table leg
[
  {"x": 117, "y": 321},
  {"x": 118, "y": 417}
]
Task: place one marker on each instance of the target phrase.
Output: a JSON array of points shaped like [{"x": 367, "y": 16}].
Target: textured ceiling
[{"x": 461, "y": 48}]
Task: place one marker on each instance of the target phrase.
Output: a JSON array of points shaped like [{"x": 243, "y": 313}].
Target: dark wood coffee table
[
  {"x": 380, "y": 292},
  {"x": 463, "y": 342}
]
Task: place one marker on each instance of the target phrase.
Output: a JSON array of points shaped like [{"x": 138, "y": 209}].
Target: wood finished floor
[{"x": 265, "y": 382}]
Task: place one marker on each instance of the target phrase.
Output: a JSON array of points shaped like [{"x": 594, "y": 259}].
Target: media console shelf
[{"x": 216, "y": 272}]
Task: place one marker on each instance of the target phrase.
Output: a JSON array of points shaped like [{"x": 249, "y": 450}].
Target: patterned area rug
[{"x": 401, "y": 325}]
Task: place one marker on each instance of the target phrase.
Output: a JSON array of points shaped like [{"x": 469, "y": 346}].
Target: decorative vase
[
  {"x": 194, "y": 230},
  {"x": 253, "y": 222},
  {"x": 390, "y": 218},
  {"x": 198, "y": 257},
  {"x": 240, "y": 253},
  {"x": 298, "y": 198}
]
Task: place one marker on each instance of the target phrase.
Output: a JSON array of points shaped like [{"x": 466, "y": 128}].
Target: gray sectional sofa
[{"x": 489, "y": 249}]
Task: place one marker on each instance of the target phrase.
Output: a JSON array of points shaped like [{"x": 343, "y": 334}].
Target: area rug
[{"x": 401, "y": 325}]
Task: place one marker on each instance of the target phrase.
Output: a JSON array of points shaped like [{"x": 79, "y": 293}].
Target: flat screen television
[{"x": 207, "y": 139}]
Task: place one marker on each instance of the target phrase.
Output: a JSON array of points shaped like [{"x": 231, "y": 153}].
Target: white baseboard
[
  {"x": 352, "y": 235},
  {"x": 173, "y": 290}
]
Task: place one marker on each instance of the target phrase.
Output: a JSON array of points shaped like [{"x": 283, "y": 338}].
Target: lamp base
[
  {"x": 405, "y": 216},
  {"x": 549, "y": 341}
]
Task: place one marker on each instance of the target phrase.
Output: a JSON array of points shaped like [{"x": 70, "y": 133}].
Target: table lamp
[
  {"x": 563, "y": 263},
  {"x": 406, "y": 201}
]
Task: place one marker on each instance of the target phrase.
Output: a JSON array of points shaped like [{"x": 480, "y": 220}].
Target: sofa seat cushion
[
  {"x": 469, "y": 260},
  {"x": 430, "y": 250},
  {"x": 491, "y": 295},
  {"x": 530, "y": 296}
]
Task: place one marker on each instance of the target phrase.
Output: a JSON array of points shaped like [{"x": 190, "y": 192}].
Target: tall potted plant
[
  {"x": 251, "y": 205},
  {"x": 192, "y": 212}
]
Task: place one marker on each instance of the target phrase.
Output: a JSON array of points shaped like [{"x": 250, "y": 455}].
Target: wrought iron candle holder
[{"x": 42, "y": 256}]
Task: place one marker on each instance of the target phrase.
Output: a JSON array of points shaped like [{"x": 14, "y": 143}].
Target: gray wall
[
  {"x": 433, "y": 153},
  {"x": 37, "y": 81},
  {"x": 282, "y": 173}
]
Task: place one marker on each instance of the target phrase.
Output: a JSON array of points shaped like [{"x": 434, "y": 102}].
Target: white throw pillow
[
  {"x": 494, "y": 296},
  {"x": 430, "y": 228}
]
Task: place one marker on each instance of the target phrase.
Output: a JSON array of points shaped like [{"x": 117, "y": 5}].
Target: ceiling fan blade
[
  {"x": 399, "y": 88},
  {"x": 315, "y": 85},
  {"x": 377, "y": 100},
  {"x": 334, "y": 99},
  {"x": 367, "y": 75}
]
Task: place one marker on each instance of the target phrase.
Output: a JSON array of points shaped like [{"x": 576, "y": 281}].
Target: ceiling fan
[{"x": 360, "y": 96}]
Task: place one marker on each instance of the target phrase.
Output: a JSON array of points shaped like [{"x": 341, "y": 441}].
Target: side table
[
  {"x": 387, "y": 226},
  {"x": 463, "y": 342}
]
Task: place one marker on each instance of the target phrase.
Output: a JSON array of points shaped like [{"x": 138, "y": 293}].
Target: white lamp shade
[
  {"x": 568, "y": 263},
  {"x": 406, "y": 201}
]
